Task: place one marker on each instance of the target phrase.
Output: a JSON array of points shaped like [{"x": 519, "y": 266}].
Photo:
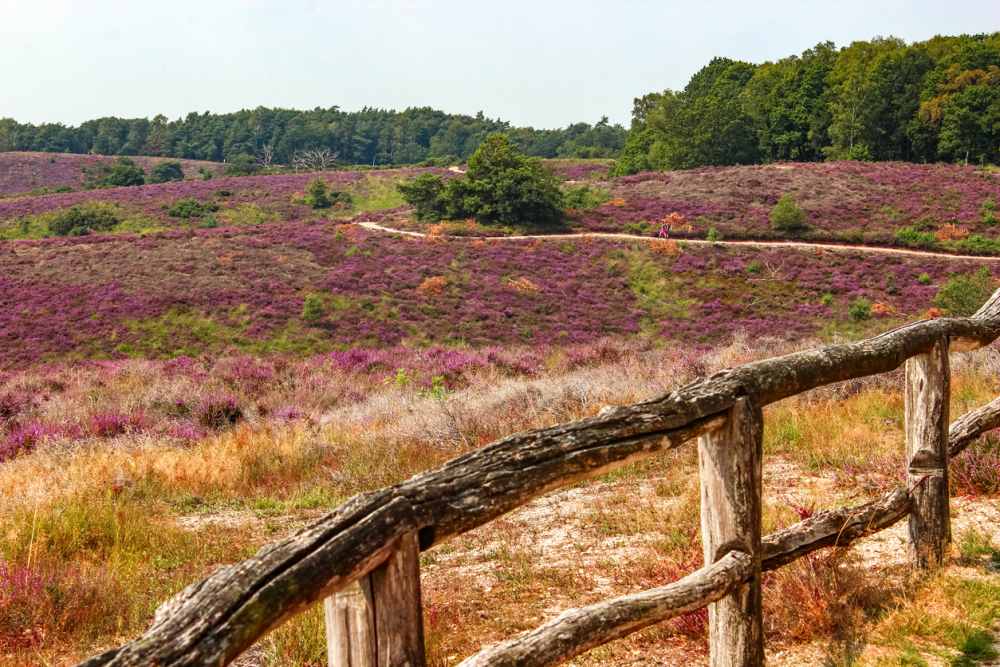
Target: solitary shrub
[
  {"x": 313, "y": 308},
  {"x": 205, "y": 174},
  {"x": 924, "y": 279},
  {"x": 501, "y": 187},
  {"x": 189, "y": 207},
  {"x": 166, "y": 171},
  {"x": 713, "y": 235},
  {"x": 860, "y": 309},
  {"x": 318, "y": 194},
  {"x": 962, "y": 295},
  {"x": 84, "y": 218},
  {"x": 786, "y": 216}
]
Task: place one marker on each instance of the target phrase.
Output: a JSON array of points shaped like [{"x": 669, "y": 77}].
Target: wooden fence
[{"x": 363, "y": 557}]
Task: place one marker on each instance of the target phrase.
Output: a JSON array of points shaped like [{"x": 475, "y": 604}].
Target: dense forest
[
  {"x": 882, "y": 99},
  {"x": 369, "y": 136}
]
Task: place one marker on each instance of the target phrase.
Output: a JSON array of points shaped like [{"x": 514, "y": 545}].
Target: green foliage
[
  {"x": 755, "y": 267},
  {"x": 206, "y": 175},
  {"x": 83, "y": 219},
  {"x": 860, "y": 309},
  {"x": 713, "y": 235},
  {"x": 988, "y": 212},
  {"x": 787, "y": 217},
  {"x": 246, "y": 214},
  {"x": 425, "y": 194},
  {"x": 242, "y": 164},
  {"x": 166, "y": 171},
  {"x": 189, "y": 207},
  {"x": 320, "y": 195},
  {"x": 123, "y": 172},
  {"x": 962, "y": 295},
  {"x": 502, "y": 187},
  {"x": 977, "y": 244},
  {"x": 313, "y": 308},
  {"x": 584, "y": 198},
  {"x": 826, "y": 299},
  {"x": 924, "y": 279},
  {"x": 881, "y": 99},
  {"x": 914, "y": 238}
]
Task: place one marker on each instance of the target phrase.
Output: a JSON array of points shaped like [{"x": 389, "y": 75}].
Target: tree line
[
  {"x": 370, "y": 136},
  {"x": 882, "y": 99}
]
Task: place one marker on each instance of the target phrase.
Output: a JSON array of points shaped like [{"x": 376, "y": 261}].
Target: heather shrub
[
  {"x": 166, "y": 171},
  {"x": 189, "y": 207},
  {"x": 218, "y": 412},
  {"x": 205, "y": 174},
  {"x": 786, "y": 216},
  {"x": 977, "y": 470},
  {"x": 860, "y": 309},
  {"x": 962, "y": 295},
  {"x": 83, "y": 219}
]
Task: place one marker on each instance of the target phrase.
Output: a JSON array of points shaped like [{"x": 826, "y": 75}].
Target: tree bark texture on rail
[{"x": 214, "y": 620}]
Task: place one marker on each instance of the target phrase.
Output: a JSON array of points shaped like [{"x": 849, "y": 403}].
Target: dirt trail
[{"x": 837, "y": 247}]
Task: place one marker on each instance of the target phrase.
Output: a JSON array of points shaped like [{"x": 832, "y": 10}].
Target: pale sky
[{"x": 545, "y": 63}]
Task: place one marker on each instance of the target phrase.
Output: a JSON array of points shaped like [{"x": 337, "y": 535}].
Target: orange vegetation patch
[
  {"x": 951, "y": 232},
  {"x": 665, "y": 247},
  {"x": 433, "y": 285},
  {"x": 522, "y": 284},
  {"x": 882, "y": 310}
]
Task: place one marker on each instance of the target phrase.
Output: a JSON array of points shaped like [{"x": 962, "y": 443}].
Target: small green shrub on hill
[
  {"x": 320, "y": 195},
  {"x": 123, "y": 172},
  {"x": 83, "y": 219},
  {"x": 787, "y": 217},
  {"x": 962, "y": 295},
  {"x": 166, "y": 171},
  {"x": 860, "y": 309},
  {"x": 189, "y": 207}
]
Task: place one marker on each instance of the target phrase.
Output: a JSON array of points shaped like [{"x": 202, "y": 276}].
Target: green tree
[
  {"x": 501, "y": 187},
  {"x": 166, "y": 171},
  {"x": 318, "y": 194},
  {"x": 705, "y": 124}
]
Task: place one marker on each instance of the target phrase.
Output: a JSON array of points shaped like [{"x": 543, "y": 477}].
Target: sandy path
[{"x": 837, "y": 247}]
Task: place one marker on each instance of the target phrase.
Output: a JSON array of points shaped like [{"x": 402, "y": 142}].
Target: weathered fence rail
[{"x": 373, "y": 538}]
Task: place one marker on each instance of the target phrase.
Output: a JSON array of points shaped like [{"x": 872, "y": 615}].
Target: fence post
[
  {"x": 378, "y": 622},
  {"x": 729, "y": 462},
  {"x": 928, "y": 387}
]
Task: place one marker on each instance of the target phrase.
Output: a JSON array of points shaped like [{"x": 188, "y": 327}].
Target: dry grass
[{"x": 96, "y": 533}]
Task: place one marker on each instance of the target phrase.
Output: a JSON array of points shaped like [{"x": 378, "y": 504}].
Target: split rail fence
[{"x": 362, "y": 559}]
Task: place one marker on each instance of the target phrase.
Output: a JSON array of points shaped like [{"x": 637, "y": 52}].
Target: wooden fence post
[
  {"x": 378, "y": 622},
  {"x": 928, "y": 388},
  {"x": 729, "y": 462}
]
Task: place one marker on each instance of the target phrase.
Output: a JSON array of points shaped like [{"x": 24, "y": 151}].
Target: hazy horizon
[{"x": 529, "y": 64}]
